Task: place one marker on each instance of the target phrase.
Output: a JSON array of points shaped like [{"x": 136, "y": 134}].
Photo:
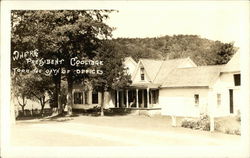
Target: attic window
[
  {"x": 237, "y": 79},
  {"x": 142, "y": 74}
]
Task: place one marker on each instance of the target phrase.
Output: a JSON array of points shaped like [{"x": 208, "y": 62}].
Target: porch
[{"x": 143, "y": 97}]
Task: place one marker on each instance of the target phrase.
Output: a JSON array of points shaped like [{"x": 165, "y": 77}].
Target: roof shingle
[{"x": 201, "y": 76}]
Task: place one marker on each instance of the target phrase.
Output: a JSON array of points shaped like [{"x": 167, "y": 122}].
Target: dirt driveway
[{"x": 113, "y": 131}]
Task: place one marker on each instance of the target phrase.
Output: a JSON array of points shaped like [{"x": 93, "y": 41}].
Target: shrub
[
  {"x": 237, "y": 132},
  {"x": 232, "y": 131},
  {"x": 202, "y": 123},
  {"x": 227, "y": 131},
  {"x": 238, "y": 118}
]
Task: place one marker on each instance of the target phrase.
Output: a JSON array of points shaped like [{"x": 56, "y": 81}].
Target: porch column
[
  {"x": 148, "y": 97},
  {"x": 90, "y": 96},
  {"x": 117, "y": 98},
  {"x": 122, "y": 97},
  {"x": 137, "y": 100},
  {"x": 211, "y": 109},
  {"x": 151, "y": 97},
  {"x": 126, "y": 98}
]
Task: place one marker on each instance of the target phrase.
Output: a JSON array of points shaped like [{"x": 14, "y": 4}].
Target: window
[
  {"x": 142, "y": 74},
  {"x": 218, "y": 99},
  {"x": 155, "y": 96},
  {"x": 196, "y": 99},
  {"x": 78, "y": 98},
  {"x": 237, "y": 79},
  {"x": 94, "y": 97}
]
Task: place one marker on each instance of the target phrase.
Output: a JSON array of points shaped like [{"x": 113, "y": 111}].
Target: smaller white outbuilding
[{"x": 212, "y": 90}]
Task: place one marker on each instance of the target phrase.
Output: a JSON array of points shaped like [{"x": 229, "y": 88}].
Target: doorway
[{"x": 231, "y": 102}]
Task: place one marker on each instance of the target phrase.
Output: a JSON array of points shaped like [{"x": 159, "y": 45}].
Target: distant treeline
[{"x": 202, "y": 51}]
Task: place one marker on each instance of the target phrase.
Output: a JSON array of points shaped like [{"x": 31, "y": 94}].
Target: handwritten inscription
[
  {"x": 20, "y": 55},
  {"x": 31, "y": 57}
]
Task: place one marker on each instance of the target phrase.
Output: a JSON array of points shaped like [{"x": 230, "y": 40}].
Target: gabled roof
[
  {"x": 166, "y": 67},
  {"x": 201, "y": 76},
  {"x": 158, "y": 70},
  {"x": 130, "y": 64},
  {"x": 151, "y": 67},
  {"x": 234, "y": 64},
  {"x": 130, "y": 59}
]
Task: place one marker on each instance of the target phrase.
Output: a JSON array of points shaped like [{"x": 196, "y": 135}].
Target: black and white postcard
[{"x": 124, "y": 79}]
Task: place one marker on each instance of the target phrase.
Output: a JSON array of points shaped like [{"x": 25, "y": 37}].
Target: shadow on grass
[
  {"x": 63, "y": 117},
  {"x": 23, "y": 118},
  {"x": 96, "y": 112},
  {"x": 117, "y": 112}
]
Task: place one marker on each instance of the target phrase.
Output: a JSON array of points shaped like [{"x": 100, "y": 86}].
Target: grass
[{"x": 228, "y": 124}]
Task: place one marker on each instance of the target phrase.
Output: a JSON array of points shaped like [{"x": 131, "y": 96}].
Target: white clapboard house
[{"x": 175, "y": 87}]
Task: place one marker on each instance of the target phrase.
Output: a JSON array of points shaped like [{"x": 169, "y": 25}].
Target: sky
[{"x": 215, "y": 21}]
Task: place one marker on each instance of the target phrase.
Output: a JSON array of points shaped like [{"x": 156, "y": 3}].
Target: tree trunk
[
  {"x": 23, "y": 105},
  {"x": 57, "y": 81},
  {"x": 59, "y": 101},
  {"x": 42, "y": 102},
  {"x": 23, "y": 110},
  {"x": 69, "y": 95},
  {"x": 102, "y": 103}
]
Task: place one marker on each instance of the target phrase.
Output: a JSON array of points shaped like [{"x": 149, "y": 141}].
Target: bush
[
  {"x": 237, "y": 132},
  {"x": 232, "y": 131},
  {"x": 189, "y": 123},
  {"x": 203, "y": 123},
  {"x": 238, "y": 118}
]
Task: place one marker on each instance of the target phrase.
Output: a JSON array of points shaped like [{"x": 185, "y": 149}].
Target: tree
[
  {"x": 30, "y": 31},
  {"x": 63, "y": 35},
  {"x": 79, "y": 38},
  {"x": 20, "y": 91},
  {"x": 40, "y": 89},
  {"x": 225, "y": 53},
  {"x": 114, "y": 74}
]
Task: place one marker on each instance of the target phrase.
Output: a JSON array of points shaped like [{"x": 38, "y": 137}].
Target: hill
[{"x": 202, "y": 51}]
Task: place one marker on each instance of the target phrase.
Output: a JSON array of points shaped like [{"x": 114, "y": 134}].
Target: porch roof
[{"x": 144, "y": 85}]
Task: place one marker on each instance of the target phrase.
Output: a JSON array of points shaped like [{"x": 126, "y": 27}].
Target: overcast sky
[{"x": 216, "y": 21}]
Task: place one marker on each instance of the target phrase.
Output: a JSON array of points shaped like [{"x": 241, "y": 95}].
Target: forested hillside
[{"x": 202, "y": 51}]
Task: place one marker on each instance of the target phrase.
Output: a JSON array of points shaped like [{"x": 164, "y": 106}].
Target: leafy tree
[
  {"x": 40, "y": 89},
  {"x": 32, "y": 30},
  {"x": 225, "y": 53},
  {"x": 114, "y": 74},
  {"x": 63, "y": 35},
  {"x": 20, "y": 91},
  {"x": 79, "y": 37}
]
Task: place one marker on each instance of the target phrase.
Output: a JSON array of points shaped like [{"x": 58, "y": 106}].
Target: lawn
[
  {"x": 125, "y": 130},
  {"x": 228, "y": 125}
]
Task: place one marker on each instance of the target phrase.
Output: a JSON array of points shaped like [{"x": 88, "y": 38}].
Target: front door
[{"x": 231, "y": 102}]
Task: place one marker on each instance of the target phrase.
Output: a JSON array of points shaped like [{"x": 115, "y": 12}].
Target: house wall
[
  {"x": 181, "y": 102},
  {"x": 222, "y": 86}
]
